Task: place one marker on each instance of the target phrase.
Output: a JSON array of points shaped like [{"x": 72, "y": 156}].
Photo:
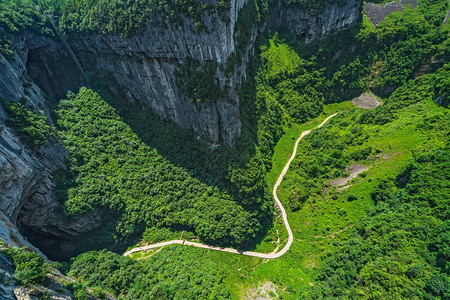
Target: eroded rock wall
[
  {"x": 144, "y": 65},
  {"x": 307, "y": 26},
  {"x": 26, "y": 171}
]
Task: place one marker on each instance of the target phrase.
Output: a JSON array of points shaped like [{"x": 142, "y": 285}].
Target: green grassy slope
[{"x": 327, "y": 225}]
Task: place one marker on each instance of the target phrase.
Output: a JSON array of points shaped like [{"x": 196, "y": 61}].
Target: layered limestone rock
[
  {"x": 144, "y": 65},
  {"x": 307, "y": 26},
  {"x": 55, "y": 289},
  {"x": 26, "y": 185}
]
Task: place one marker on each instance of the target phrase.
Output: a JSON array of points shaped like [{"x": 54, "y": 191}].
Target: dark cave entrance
[{"x": 53, "y": 71}]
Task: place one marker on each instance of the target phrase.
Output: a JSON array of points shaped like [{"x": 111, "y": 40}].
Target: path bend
[{"x": 248, "y": 253}]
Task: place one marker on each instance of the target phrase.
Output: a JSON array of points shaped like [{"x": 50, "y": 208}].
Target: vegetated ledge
[{"x": 377, "y": 13}]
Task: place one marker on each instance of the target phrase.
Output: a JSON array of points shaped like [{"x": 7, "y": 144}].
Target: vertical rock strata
[
  {"x": 333, "y": 18},
  {"x": 144, "y": 65}
]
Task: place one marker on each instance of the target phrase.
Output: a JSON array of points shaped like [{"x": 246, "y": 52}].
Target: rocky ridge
[{"x": 26, "y": 177}]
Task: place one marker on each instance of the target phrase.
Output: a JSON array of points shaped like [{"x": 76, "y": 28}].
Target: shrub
[
  {"x": 439, "y": 286},
  {"x": 29, "y": 266},
  {"x": 352, "y": 197},
  {"x": 30, "y": 125}
]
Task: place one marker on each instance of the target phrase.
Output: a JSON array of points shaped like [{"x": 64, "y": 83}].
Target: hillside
[{"x": 183, "y": 119}]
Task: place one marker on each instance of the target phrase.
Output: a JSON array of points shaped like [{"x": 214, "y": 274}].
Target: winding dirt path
[{"x": 249, "y": 253}]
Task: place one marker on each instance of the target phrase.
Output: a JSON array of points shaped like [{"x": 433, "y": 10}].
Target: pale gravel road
[{"x": 249, "y": 253}]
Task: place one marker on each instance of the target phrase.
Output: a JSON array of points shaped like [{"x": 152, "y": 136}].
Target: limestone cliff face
[
  {"x": 333, "y": 18},
  {"x": 144, "y": 66},
  {"x": 54, "y": 288},
  {"x": 26, "y": 173}
]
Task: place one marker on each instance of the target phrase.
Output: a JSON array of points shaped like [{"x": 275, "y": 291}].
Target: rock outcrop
[
  {"x": 377, "y": 13},
  {"x": 26, "y": 176},
  {"x": 307, "y": 26},
  {"x": 55, "y": 285},
  {"x": 144, "y": 65}
]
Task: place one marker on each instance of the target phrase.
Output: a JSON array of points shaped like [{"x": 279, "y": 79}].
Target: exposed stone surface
[
  {"x": 366, "y": 100},
  {"x": 21, "y": 293},
  {"x": 54, "y": 289},
  {"x": 447, "y": 16},
  {"x": 39, "y": 63},
  {"x": 377, "y": 13},
  {"x": 308, "y": 27},
  {"x": 26, "y": 176},
  {"x": 144, "y": 66},
  {"x": 354, "y": 170}
]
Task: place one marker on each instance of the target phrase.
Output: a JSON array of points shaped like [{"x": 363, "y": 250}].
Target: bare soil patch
[
  {"x": 354, "y": 170},
  {"x": 377, "y": 13},
  {"x": 264, "y": 291},
  {"x": 366, "y": 101}
]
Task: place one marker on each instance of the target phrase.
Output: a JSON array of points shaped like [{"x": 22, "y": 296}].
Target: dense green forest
[
  {"x": 399, "y": 248},
  {"x": 384, "y": 236},
  {"x": 406, "y": 196},
  {"x": 30, "y": 125},
  {"x": 378, "y": 58},
  {"x": 18, "y": 15},
  {"x": 179, "y": 273},
  {"x": 327, "y": 156},
  {"x": 30, "y": 267},
  {"x": 395, "y": 239},
  {"x": 112, "y": 168}
]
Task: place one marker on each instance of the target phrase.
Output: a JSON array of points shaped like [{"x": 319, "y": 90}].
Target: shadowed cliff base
[{"x": 63, "y": 246}]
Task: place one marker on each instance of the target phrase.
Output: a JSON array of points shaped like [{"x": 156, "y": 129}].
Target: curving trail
[{"x": 249, "y": 253}]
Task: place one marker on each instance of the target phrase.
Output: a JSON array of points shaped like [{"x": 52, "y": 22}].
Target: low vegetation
[
  {"x": 385, "y": 236},
  {"x": 29, "y": 124},
  {"x": 113, "y": 169},
  {"x": 403, "y": 136},
  {"x": 18, "y": 15},
  {"x": 409, "y": 148},
  {"x": 198, "y": 81},
  {"x": 107, "y": 16},
  {"x": 30, "y": 267},
  {"x": 400, "y": 249}
]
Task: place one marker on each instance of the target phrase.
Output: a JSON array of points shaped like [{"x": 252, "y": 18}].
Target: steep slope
[
  {"x": 145, "y": 64},
  {"x": 152, "y": 66},
  {"x": 310, "y": 23},
  {"x": 348, "y": 243}
]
